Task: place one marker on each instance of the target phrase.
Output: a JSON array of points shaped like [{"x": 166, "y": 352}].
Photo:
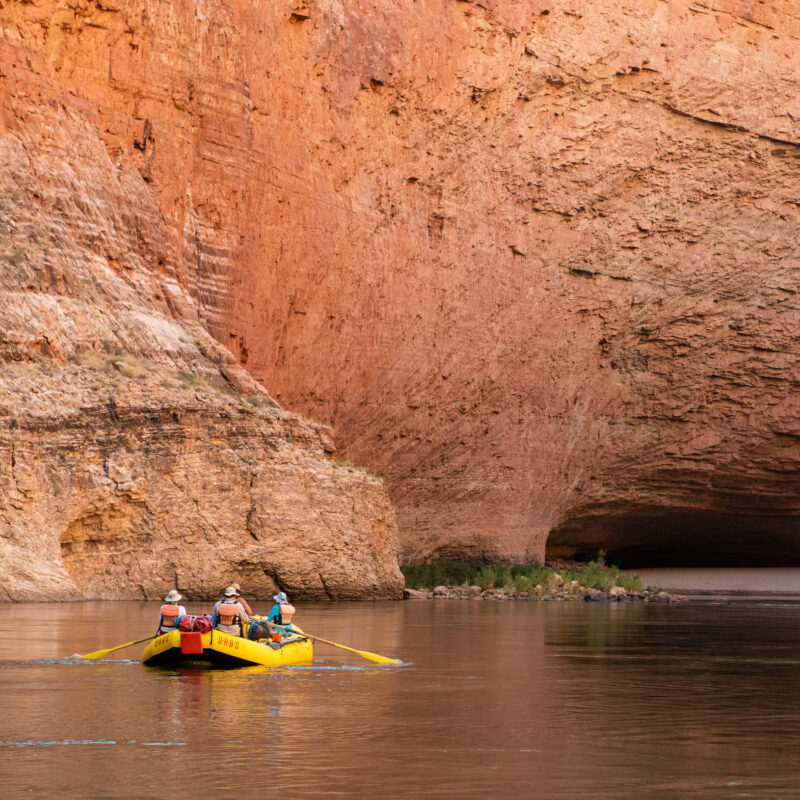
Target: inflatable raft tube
[{"x": 215, "y": 648}]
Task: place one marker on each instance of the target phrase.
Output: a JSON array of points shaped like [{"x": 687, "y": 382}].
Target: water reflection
[{"x": 512, "y": 699}]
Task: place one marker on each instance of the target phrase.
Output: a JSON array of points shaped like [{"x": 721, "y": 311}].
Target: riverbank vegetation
[{"x": 519, "y": 579}]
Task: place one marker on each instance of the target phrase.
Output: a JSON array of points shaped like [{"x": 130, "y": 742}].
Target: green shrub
[
  {"x": 426, "y": 576},
  {"x": 629, "y": 581},
  {"x": 522, "y": 584},
  {"x": 486, "y": 578},
  {"x": 445, "y": 572},
  {"x": 520, "y": 578},
  {"x": 502, "y": 577},
  {"x": 535, "y": 573},
  {"x": 598, "y": 576}
]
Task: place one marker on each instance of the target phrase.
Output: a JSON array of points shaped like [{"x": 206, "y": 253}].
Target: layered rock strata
[
  {"x": 136, "y": 455},
  {"x": 535, "y": 262}
]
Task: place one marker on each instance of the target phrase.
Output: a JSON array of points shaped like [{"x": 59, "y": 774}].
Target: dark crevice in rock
[
  {"x": 12, "y": 428},
  {"x": 325, "y": 587},
  {"x": 251, "y": 512}
]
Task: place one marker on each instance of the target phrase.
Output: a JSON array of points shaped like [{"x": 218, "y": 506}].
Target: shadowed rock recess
[{"x": 536, "y": 263}]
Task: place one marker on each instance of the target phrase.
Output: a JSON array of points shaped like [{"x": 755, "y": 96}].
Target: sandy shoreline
[{"x": 769, "y": 581}]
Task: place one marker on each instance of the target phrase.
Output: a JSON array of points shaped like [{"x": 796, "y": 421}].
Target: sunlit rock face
[
  {"x": 136, "y": 454},
  {"x": 536, "y": 263}
]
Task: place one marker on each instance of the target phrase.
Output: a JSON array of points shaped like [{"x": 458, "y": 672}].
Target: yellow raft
[{"x": 221, "y": 649}]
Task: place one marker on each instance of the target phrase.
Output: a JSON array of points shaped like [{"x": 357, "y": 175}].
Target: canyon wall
[
  {"x": 535, "y": 262},
  {"x": 136, "y": 454}
]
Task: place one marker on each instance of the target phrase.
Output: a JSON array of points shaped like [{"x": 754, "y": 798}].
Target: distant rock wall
[{"x": 535, "y": 262}]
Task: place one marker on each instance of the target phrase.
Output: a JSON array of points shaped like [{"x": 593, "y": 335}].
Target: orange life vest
[
  {"x": 228, "y": 614},
  {"x": 169, "y": 614},
  {"x": 287, "y": 612}
]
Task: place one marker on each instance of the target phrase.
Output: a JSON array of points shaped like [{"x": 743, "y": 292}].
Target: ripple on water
[
  {"x": 337, "y": 668},
  {"x": 73, "y": 660},
  {"x": 61, "y": 742}
]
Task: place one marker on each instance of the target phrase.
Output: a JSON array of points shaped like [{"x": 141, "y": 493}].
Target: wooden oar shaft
[
  {"x": 99, "y": 653},
  {"x": 306, "y": 635}
]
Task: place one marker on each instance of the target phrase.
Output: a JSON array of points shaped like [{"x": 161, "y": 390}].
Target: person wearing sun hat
[
  {"x": 229, "y": 614},
  {"x": 280, "y": 614},
  {"x": 170, "y": 612}
]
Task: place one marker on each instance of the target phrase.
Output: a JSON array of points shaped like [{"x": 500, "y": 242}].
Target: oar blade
[
  {"x": 100, "y": 653},
  {"x": 378, "y": 659}
]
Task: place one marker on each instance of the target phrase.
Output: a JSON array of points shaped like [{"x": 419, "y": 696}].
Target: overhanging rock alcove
[{"x": 651, "y": 536}]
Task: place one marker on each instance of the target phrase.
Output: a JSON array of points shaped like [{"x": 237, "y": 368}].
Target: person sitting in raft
[
  {"x": 281, "y": 614},
  {"x": 170, "y": 612},
  {"x": 242, "y": 600},
  {"x": 229, "y": 614}
]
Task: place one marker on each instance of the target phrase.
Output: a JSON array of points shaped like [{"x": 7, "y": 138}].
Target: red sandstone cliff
[
  {"x": 535, "y": 262},
  {"x": 137, "y": 455}
]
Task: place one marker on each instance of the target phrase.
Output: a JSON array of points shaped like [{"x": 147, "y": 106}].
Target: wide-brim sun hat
[
  {"x": 231, "y": 591},
  {"x": 173, "y": 597},
  {"x": 280, "y": 598}
]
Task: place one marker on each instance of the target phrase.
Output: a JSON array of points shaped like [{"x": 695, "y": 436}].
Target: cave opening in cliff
[{"x": 646, "y": 537}]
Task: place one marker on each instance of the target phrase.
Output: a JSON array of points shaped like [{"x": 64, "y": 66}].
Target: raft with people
[
  {"x": 222, "y": 649},
  {"x": 231, "y": 636}
]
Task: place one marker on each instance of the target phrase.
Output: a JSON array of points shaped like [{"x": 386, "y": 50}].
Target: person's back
[
  {"x": 170, "y": 612},
  {"x": 278, "y": 616},
  {"x": 229, "y": 614}
]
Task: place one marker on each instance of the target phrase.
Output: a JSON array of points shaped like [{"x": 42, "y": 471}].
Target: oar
[
  {"x": 101, "y": 653},
  {"x": 362, "y": 653}
]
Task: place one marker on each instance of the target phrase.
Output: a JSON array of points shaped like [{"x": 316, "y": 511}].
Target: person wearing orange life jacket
[
  {"x": 229, "y": 613},
  {"x": 170, "y": 612},
  {"x": 281, "y": 614}
]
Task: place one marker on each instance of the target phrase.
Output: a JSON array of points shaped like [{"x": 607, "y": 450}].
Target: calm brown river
[{"x": 494, "y": 700}]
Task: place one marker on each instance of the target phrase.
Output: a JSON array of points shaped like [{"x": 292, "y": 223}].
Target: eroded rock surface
[
  {"x": 136, "y": 454},
  {"x": 537, "y": 263}
]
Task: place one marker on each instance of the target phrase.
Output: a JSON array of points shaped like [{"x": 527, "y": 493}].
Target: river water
[{"x": 494, "y": 699}]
